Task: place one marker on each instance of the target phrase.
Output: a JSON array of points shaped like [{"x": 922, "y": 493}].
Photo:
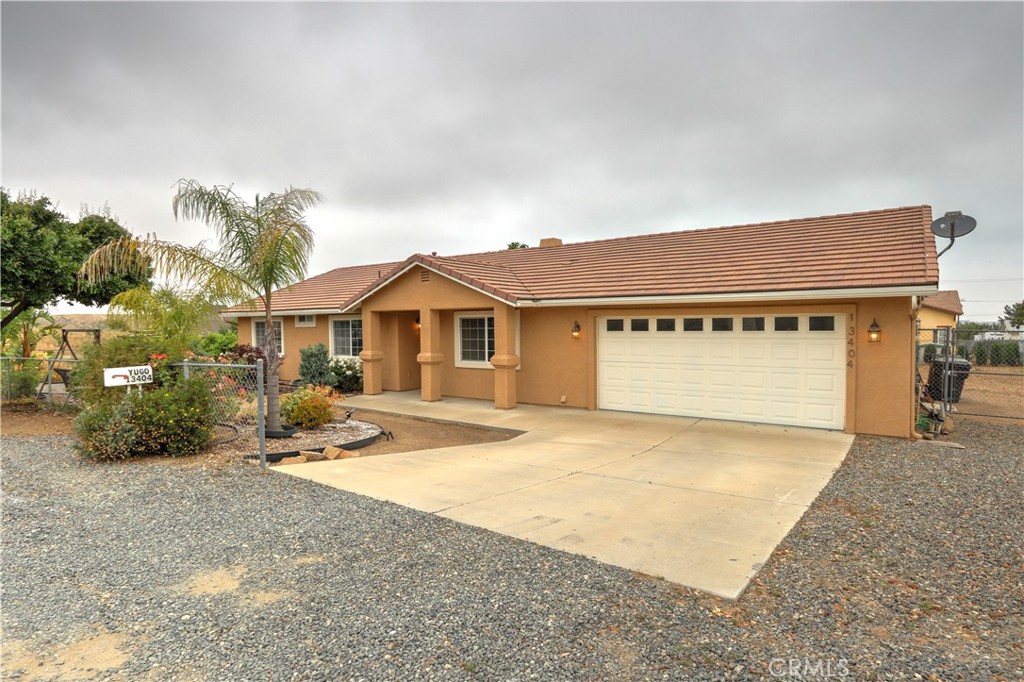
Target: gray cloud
[{"x": 461, "y": 127}]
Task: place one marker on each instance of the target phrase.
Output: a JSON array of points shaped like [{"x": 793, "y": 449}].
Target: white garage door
[{"x": 775, "y": 369}]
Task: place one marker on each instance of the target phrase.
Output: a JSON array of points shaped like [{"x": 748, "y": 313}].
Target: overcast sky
[{"x": 459, "y": 128}]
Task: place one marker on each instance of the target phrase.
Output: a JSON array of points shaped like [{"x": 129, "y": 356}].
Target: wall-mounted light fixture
[
  {"x": 874, "y": 332},
  {"x": 576, "y": 330},
  {"x": 416, "y": 324}
]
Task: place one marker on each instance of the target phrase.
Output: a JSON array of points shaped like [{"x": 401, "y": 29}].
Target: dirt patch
[
  {"x": 86, "y": 659},
  {"x": 217, "y": 581},
  {"x": 32, "y": 419}
]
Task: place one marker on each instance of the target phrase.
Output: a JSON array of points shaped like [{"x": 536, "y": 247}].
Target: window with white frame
[
  {"x": 305, "y": 320},
  {"x": 259, "y": 334},
  {"x": 474, "y": 339},
  {"x": 347, "y": 337}
]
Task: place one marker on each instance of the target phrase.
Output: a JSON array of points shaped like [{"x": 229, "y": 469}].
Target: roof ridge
[
  {"x": 510, "y": 271},
  {"x": 698, "y": 230}
]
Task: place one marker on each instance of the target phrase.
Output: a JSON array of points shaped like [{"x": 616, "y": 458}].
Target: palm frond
[{"x": 191, "y": 266}]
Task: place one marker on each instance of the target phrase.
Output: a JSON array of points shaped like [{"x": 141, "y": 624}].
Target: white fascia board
[
  {"x": 359, "y": 301},
  {"x": 739, "y": 297},
  {"x": 283, "y": 313}
]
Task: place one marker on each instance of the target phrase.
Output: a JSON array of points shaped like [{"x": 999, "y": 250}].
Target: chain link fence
[
  {"x": 239, "y": 397},
  {"x": 969, "y": 373},
  {"x": 238, "y": 391},
  {"x": 36, "y": 378}
]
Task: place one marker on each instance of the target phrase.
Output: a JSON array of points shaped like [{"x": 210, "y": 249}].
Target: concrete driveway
[{"x": 698, "y": 502}]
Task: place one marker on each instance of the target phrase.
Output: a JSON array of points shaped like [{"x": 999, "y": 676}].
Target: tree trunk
[
  {"x": 18, "y": 308},
  {"x": 273, "y": 362}
]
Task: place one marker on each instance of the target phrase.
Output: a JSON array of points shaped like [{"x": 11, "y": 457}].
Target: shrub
[
  {"x": 981, "y": 353},
  {"x": 929, "y": 352},
  {"x": 125, "y": 351},
  {"x": 349, "y": 372},
  {"x": 308, "y": 407},
  {"x": 315, "y": 366},
  {"x": 20, "y": 382},
  {"x": 245, "y": 354},
  {"x": 173, "y": 420},
  {"x": 216, "y": 344},
  {"x": 1005, "y": 353}
]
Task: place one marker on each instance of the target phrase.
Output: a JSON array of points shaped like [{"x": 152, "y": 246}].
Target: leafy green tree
[
  {"x": 1014, "y": 314},
  {"x": 217, "y": 343},
  {"x": 262, "y": 247},
  {"x": 516, "y": 245},
  {"x": 42, "y": 251}
]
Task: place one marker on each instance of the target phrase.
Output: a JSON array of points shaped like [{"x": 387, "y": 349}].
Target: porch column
[
  {"x": 373, "y": 353},
  {"x": 430, "y": 355},
  {"x": 505, "y": 359}
]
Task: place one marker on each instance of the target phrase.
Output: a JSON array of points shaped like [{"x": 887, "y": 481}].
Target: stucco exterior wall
[
  {"x": 295, "y": 338},
  {"x": 557, "y": 369}
]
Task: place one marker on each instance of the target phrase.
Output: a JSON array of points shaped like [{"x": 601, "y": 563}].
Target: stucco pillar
[
  {"x": 430, "y": 355},
  {"x": 373, "y": 353},
  {"x": 505, "y": 359}
]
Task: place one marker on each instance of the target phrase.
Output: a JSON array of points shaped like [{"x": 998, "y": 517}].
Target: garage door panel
[{"x": 792, "y": 378}]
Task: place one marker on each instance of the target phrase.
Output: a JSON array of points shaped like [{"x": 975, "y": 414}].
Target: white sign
[{"x": 127, "y": 376}]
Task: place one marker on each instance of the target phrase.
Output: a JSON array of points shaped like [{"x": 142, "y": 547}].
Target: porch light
[
  {"x": 874, "y": 332},
  {"x": 576, "y": 330},
  {"x": 416, "y": 324}
]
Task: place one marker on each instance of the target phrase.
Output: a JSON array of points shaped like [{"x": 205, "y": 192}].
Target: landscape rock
[
  {"x": 331, "y": 452},
  {"x": 312, "y": 455},
  {"x": 297, "y": 459}
]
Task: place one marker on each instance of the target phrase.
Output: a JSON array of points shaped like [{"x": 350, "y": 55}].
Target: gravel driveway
[{"x": 909, "y": 565}]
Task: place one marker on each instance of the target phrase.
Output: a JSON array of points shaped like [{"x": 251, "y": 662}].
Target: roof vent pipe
[{"x": 550, "y": 241}]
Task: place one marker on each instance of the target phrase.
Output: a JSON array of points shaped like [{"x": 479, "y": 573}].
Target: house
[
  {"x": 807, "y": 322},
  {"x": 937, "y": 314}
]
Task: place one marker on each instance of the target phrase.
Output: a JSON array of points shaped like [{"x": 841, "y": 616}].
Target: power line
[{"x": 1003, "y": 279}]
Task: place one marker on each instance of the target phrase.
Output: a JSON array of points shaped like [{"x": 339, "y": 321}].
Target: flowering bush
[
  {"x": 308, "y": 407},
  {"x": 126, "y": 351},
  {"x": 349, "y": 372},
  {"x": 173, "y": 420}
]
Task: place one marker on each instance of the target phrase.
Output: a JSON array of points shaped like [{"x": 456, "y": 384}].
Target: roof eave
[{"x": 741, "y": 296}]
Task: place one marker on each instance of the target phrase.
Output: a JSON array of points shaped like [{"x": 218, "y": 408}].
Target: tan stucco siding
[{"x": 295, "y": 338}]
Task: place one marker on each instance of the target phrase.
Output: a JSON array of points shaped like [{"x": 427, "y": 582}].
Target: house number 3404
[{"x": 850, "y": 352}]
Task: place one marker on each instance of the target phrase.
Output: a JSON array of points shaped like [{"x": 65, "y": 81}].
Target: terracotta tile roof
[
  {"x": 327, "y": 291},
  {"x": 946, "y": 301},
  {"x": 886, "y": 248}
]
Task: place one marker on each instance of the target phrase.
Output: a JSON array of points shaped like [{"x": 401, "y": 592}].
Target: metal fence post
[
  {"x": 184, "y": 369},
  {"x": 261, "y": 426}
]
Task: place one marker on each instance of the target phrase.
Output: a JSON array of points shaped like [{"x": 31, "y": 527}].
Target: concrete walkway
[{"x": 698, "y": 502}]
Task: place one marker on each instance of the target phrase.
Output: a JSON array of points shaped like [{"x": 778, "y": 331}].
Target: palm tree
[{"x": 261, "y": 247}]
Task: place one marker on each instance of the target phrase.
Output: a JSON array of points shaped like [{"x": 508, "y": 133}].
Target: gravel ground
[{"x": 909, "y": 566}]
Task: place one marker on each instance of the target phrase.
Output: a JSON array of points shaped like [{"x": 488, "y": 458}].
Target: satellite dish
[{"x": 954, "y": 224}]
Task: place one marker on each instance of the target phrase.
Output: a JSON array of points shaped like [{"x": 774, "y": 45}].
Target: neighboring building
[
  {"x": 937, "y": 314},
  {"x": 760, "y": 323}
]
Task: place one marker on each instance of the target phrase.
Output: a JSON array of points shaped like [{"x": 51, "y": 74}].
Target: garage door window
[
  {"x": 693, "y": 324},
  {"x": 753, "y": 324},
  {"x": 721, "y": 324},
  {"x": 666, "y": 325},
  {"x": 787, "y": 324},
  {"x": 614, "y": 325},
  {"x": 822, "y": 323},
  {"x": 640, "y": 325}
]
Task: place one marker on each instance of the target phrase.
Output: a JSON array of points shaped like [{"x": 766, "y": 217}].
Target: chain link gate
[
  {"x": 964, "y": 372},
  {"x": 239, "y": 399}
]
